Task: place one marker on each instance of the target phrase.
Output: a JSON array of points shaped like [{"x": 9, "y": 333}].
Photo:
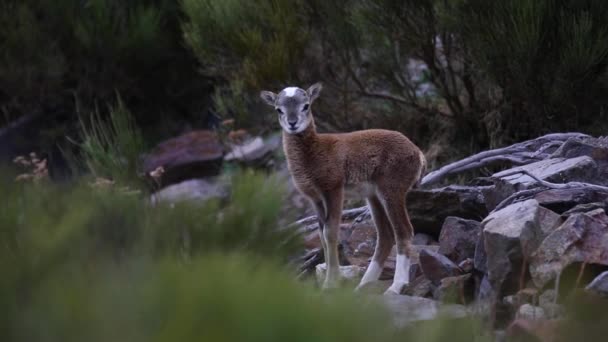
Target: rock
[
  {"x": 599, "y": 285},
  {"x": 350, "y": 273},
  {"x": 423, "y": 239},
  {"x": 558, "y": 170},
  {"x": 428, "y": 209},
  {"x": 480, "y": 260},
  {"x": 466, "y": 265},
  {"x": 513, "y": 302},
  {"x": 497, "y": 192},
  {"x": 254, "y": 152},
  {"x": 583, "y": 238},
  {"x": 533, "y": 330},
  {"x": 548, "y": 301},
  {"x": 196, "y": 154},
  {"x": 530, "y": 312},
  {"x": 561, "y": 200},
  {"x": 190, "y": 190},
  {"x": 420, "y": 287},
  {"x": 512, "y": 234},
  {"x": 458, "y": 289},
  {"x": 458, "y": 238},
  {"x": 375, "y": 287},
  {"x": 586, "y": 207},
  {"x": 590, "y": 147},
  {"x": 436, "y": 266},
  {"x": 553, "y": 310},
  {"x": 406, "y": 310}
]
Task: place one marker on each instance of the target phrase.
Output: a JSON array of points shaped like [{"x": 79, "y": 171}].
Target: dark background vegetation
[
  {"x": 101, "y": 81},
  {"x": 499, "y": 71}
]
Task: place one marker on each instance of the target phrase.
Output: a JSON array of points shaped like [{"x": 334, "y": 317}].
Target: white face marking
[{"x": 290, "y": 91}]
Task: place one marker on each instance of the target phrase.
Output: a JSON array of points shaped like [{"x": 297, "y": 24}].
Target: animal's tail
[{"x": 422, "y": 170}]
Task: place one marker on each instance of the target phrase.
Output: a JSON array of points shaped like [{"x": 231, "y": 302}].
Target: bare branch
[{"x": 521, "y": 153}]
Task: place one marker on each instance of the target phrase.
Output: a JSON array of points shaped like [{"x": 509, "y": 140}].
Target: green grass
[{"x": 112, "y": 147}]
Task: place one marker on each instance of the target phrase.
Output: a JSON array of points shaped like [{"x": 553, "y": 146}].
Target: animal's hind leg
[
  {"x": 394, "y": 204},
  {"x": 384, "y": 241}
]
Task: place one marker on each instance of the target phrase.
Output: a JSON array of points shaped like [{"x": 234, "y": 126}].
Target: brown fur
[{"x": 386, "y": 162}]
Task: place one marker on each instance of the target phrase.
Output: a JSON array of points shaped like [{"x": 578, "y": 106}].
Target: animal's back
[{"x": 369, "y": 154}]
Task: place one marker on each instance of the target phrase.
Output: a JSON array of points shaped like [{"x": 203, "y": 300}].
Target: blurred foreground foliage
[{"x": 81, "y": 263}]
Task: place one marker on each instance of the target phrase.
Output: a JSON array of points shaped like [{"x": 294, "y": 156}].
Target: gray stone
[
  {"x": 458, "y": 238},
  {"x": 420, "y": 287},
  {"x": 559, "y": 170},
  {"x": 352, "y": 273},
  {"x": 547, "y": 297},
  {"x": 190, "y": 190},
  {"x": 583, "y": 238},
  {"x": 436, "y": 266},
  {"x": 423, "y": 239},
  {"x": 375, "y": 287},
  {"x": 599, "y": 285},
  {"x": 458, "y": 289},
  {"x": 585, "y": 207},
  {"x": 512, "y": 234},
  {"x": 591, "y": 147},
  {"x": 497, "y": 192},
  {"x": 406, "y": 310},
  {"x": 530, "y": 312},
  {"x": 253, "y": 152},
  {"x": 553, "y": 310},
  {"x": 561, "y": 200},
  {"x": 466, "y": 265}
]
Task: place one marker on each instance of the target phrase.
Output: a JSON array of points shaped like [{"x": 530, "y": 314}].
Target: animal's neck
[{"x": 301, "y": 144}]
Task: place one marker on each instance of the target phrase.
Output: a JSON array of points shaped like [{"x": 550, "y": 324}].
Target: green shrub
[
  {"x": 547, "y": 57},
  {"x": 112, "y": 148},
  {"x": 260, "y": 42}
]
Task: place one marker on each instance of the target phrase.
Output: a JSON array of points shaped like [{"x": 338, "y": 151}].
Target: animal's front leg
[
  {"x": 334, "y": 211},
  {"x": 321, "y": 220}
]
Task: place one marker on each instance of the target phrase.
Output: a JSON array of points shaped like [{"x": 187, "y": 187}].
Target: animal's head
[{"x": 293, "y": 106}]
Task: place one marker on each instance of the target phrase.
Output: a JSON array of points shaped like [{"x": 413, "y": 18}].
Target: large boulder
[
  {"x": 512, "y": 235},
  {"x": 558, "y": 170},
  {"x": 458, "y": 238},
  {"x": 428, "y": 209},
  {"x": 583, "y": 238},
  {"x": 196, "y": 154}
]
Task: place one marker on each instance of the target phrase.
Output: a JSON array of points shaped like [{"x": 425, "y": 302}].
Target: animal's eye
[
  {"x": 279, "y": 111},
  {"x": 305, "y": 108}
]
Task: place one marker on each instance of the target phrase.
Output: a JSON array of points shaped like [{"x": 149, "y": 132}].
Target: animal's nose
[{"x": 293, "y": 123}]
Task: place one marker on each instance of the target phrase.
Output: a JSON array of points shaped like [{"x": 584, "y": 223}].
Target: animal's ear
[
  {"x": 314, "y": 91},
  {"x": 268, "y": 97}
]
